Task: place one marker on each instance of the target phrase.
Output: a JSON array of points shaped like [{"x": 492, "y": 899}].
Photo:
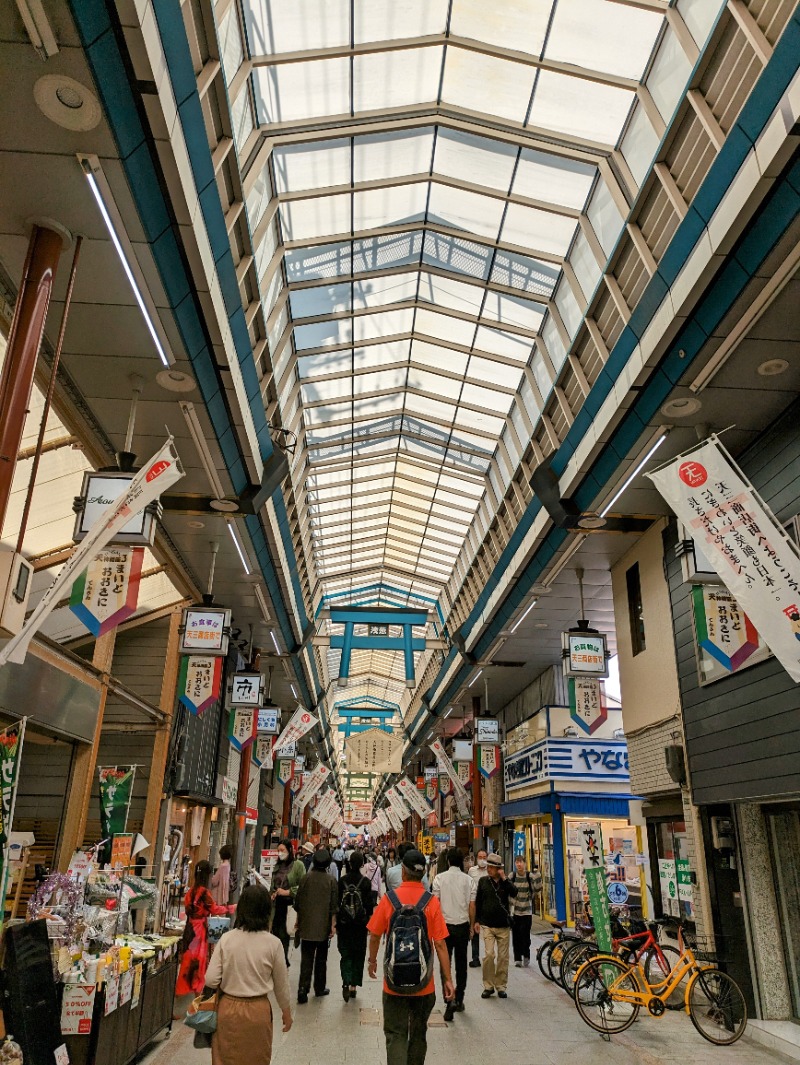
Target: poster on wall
[{"x": 726, "y": 640}]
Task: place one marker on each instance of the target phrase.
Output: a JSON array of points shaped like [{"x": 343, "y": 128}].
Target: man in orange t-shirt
[{"x": 405, "y": 1017}]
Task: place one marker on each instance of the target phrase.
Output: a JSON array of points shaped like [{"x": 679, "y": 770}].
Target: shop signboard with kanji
[
  {"x": 262, "y": 752},
  {"x": 726, "y": 639},
  {"x": 246, "y": 689},
  {"x": 488, "y": 760},
  {"x": 269, "y": 720},
  {"x": 568, "y": 760},
  {"x": 205, "y": 629},
  {"x": 587, "y": 704},
  {"x": 757, "y": 561},
  {"x": 302, "y": 721},
  {"x": 107, "y": 591},
  {"x": 585, "y": 654},
  {"x": 374, "y": 751},
  {"x": 242, "y": 727},
  {"x": 595, "y": 875},
  {"x": 285, "y": 770},
  {"x": 199, "y": 681}
]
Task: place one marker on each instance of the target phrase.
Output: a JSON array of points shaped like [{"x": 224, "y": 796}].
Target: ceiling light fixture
[
  {"x": 274, "y": 640},
  {"x": 294, "y": 691},
  {"x": 37, "y": 27},
  {"x": 632, "y": 477},
  {"x": 239, "y": 548},
  {"x": 681, "y": 407},
  {"x": 175, "y": 381},
  {"x": 262, "y": 602},
  {"x": 198, "y": 439},
  {"x": 773, "y": 367},
  {"x": 101, "y": 191},
  {"x": 477, "y": 675},
  {"x": 519, "y": 621}
]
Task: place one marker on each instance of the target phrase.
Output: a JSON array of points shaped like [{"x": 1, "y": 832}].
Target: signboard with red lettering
[
  {"x": 585, "y": 654},
  {"x": 205, "y": 629},
  {"x": 77, "y": 1007}
]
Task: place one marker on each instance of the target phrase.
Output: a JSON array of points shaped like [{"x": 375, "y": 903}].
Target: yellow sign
[{"x": 427, "y": 845}]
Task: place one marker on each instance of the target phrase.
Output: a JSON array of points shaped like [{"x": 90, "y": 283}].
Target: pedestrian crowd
[{"x": 428, "y": 916}]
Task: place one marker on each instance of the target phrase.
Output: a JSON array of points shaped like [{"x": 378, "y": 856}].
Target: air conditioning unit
[{"x": 15, "y": 586}]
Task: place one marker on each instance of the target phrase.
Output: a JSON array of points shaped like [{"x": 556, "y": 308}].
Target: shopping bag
[{"x": 202, "y": 1015}]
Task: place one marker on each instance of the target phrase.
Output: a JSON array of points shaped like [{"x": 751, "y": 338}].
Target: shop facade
[{"x": 551, "y": 787}]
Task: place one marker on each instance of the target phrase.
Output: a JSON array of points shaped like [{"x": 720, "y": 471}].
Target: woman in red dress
[{"x": 199, "y": 905}]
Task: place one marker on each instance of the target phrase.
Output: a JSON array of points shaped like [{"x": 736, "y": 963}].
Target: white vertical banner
[
  {"x": 160, "y": 473},
  {"x": 397, "y": 803},
  {"x": 394, "y": 820},
  {"x": 758, "y": 563},
  {"x": 446, "y": 766},
  {"x": 302, "y": 721},
  {"x": 413, "y": 796},
  {"x": 311, "y": 785}
]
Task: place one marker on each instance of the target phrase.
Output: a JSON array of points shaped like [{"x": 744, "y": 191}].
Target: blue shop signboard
[{"x": 604, "y": 760}]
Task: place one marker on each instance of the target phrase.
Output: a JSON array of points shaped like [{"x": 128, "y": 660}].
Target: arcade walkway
[{"x": 537, "y": 1025}]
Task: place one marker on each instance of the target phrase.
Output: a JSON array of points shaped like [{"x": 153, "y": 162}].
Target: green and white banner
[
  {"x": 595, "y": 873},
  {"x": 10, "y": 751},
  {"x": 116, "y": 788}
]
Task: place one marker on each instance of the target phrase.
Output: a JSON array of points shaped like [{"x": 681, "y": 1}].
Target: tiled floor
[{"x": 536, "y": 1025}]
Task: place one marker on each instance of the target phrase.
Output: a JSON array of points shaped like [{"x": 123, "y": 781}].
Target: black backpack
[
  {"x": 408, "y": 960},
  {"x": 351, "y": 908}
]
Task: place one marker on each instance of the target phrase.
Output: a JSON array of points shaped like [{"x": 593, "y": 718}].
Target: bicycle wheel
[
  {"x": 573, "y": 959},
  {"x": 717, "y": 1007},
  {"x": 554, "y": 958},
  {"x": 542, "y": 955},
  {"x": 656, "y": 973},
  {"x": 596, "y": 1004}
]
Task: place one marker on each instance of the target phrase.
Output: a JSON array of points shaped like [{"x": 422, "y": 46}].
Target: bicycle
[
  {"x": 638, "y": 944},
  {"x": 609, "y": 994},
  {"x": 560, "y": 934}
]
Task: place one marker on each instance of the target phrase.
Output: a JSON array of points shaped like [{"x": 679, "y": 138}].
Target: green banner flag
[
  {"x": 595, "y": 874},
  {"x": 10, "y": 750},
  {"x": 116, "y": 786}
]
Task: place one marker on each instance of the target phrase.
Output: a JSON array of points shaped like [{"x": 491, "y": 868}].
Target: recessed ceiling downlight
[
  {"x": 227, "y": 506},
  {"x": 681, "y": 407},
  {"x": 66, "y": 102},
  {"x": 175, "y": 381},
  {"x": 773, "y": 367}
]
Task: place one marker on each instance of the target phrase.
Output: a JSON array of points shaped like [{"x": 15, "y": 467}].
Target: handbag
[{"x": 202, "y": 1015}]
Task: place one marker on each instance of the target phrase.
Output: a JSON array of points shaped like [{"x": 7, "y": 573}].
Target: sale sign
[{"x": 77, "y": 1007}]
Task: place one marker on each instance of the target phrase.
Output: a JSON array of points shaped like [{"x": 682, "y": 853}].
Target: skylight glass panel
[
  {"x": 323, "y": 216},
  {"x": 383, "y": 323},
  {"x": 541, "y": 231},
  {"x": 384, "y": 20},
  {"x": 457, "y": 255},
  {"x": 444, "y": 327},
  {"x": 242, "y": 118},
  {"x": 517, "y": 24},
  {"x": 446, "y": 387},
  {"x": 427, "y": 354},
  {"x": 297, "y": 91},
  {"x": 327, "y": 299},
  {"x": 378, "y": 291},
  {"x": 578, "y": 108},
  {"x": 478, "y": 396},
  {"x": 510, "y": 310},
  {"x": 230, "y": 43},
  {"x": 524, "y": 273},
  {"x": 602, "y": 35},
  {"x": 478, "y": 160},
  {"x": 603, "y": 213},
  {"x": 478, "y": 422},
  {"x": 494, "y": 373},
  {"x": 323, "y": 261},
  {"x": 377, "y": 405},
  {"x": 274, "y": 26},
  {"x": 378, "y": 156},
  {"x": 430, "y": 408},
  {"x": 553, "y": 343},
  {"x": 266, "y": 249},
  {"x": 397, "y": 205},
  {"x": 385, "y": 252},
  {"x": 396, "y": 79},
  {"x": 543, "y": 380},
  {"x": 584, "y": 264},
  {"x": 668, "y": 75},
  {"x": 498, "y": 342},
  {"x": 553, "y": 179},
  {"x": 486, "y": 84},
  {"x": 460, "y": 209},
  {"x": 700, "y": 16},
  {"x": 571, "y": 314},
  {"x": 639, "y": 145},
  {"x": 447, "y": 292},
  {"x": 383, "y": 381},
  {"x": 300, "y": 167}
]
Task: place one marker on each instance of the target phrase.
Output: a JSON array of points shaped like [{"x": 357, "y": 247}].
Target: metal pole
[
  {"x": 48, "y": 399},
  {"x": 241, "y": 813},
  {"x": 27, "y": 328},
  {"x": 477, "y": 798}
]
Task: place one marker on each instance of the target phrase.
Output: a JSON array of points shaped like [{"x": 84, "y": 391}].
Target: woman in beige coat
[{"x": 247, "y": 965}]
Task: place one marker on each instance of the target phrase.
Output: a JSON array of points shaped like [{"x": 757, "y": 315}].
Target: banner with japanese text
[
  {"x": 413, "y": 796},
  {"x": 116, "y": 788},
  {"x": 155, "y": 477},
  {"x": 464, "y": 770},
  {"x": 107, "y": 591},
  {"x": 242, "y": 727},
  {"x": 285, "y": 770},
  {"x": 315, "y": 779},
  {"x": 394, "y": 820},
  {"x": 489, "y": 760},
  {"x": 462, "y": 798},
  {"x": 262, "y": 752},
  {"x": 587, "y": 704},
  {"x": 398, "y": 804},
  {"x": 595, "y": 873},
  {"x": 199, "y": 681},
  {"x": 302, "y": 721},
  {"x": 756, "y": 560}
]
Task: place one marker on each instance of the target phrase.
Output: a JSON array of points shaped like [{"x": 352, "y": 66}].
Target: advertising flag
[
  {"x": 413, "y": 796},
  {"x": 313, "y": 782},
  {"x": 116, "y": 788},
  {"x": 302, "y": 721},
  {"x": 398, "y": 805},
  {"x": 446, "y": 766},
  {"x": 107, "y": 591},
  {"x": 199, "y": 682},
  {"x": 242, "y": 727}
]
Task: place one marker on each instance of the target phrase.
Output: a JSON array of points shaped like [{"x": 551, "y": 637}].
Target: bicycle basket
[{"x": 704, "y": 948}]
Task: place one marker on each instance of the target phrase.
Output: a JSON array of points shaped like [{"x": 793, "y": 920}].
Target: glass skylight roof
[{"x": 427, "y": 164}]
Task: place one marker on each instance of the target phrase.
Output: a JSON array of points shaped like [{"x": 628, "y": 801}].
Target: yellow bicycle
[{"x": 609, "y": 995}]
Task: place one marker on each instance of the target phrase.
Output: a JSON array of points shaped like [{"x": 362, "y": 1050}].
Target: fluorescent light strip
[
  {"x": 294, "y": 691},
  {"x": 262, "y": 602},
  {"x": 449, "y": 712},
  {"x": 632, "y": 477},
  {"x": 477, "y": 675},
  {"x": 239, "y": 548},
  {"x": 126, "y": 266},
  {"x": 272, "y": 634},
  {"x": 529, "y": 608},
  {"x": 198, "y": 439}
]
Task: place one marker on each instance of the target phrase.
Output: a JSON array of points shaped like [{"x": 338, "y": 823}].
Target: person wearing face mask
[
  {"x": 477, "y": 872},
  {"x": 286, "y": 877}
]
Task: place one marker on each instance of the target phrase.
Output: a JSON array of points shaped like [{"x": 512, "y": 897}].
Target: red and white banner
[
  {"x": 157, "y": 475},
  {"x": 413, "y": 796},
  {"x": 757, "y": 562},
  {"x": 446, "y": 766},
  {"x": 311, "y": 785},
  {"x": 398, "y": 805},
  {"x": 394, "y": 820},
  {"x": 302, "y": 722}
]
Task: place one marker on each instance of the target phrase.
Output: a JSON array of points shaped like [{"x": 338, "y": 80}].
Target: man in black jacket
[
  {"x": 316, "y": 902},
  {"x": 493, "y": 922}
]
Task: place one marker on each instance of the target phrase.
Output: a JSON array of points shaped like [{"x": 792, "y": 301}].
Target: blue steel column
[
  {"x": 347, "y": 644},
  {"x": 408, "y": 653}
]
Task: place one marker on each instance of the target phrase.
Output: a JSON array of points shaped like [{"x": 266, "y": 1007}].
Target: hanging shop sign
[
  {"x": 285, "y": 770},
  {"x": 445, "y": 786},
  {"x": 756, "y": 560},
  {"x": 98, "y": 492},
  {"x": 584, "y": 653},
  {"x": 77, "y": 1007},
  {"x": 288, "y": 750},
  {"x": 296, "y": 783},
  {"x": 374, "y": 751},
  {"x": 412, "y": 796},
  {"x": 464, "y": 770},
  {"x": 595, "y": 874},
  {"x": 205, "y": 629},
  {"x": 199, "y": 681},
  {"x": 262, "y": 752},
  {"x": 230, "y": 791},
  {"x": 726, "y": 639},
  {"x": 121, "y": 850},
  {"x": 302, "y": 721},
  {"x": 683, "y": 875},
  {"x": 587, "y": 704},
  {"x": 462, "y": 751},
  {"x": 430, "y": 772},
  {"x": 269, "y": 720},
  {"x": 432, "y": 789},
  {"x": 592, "y": 760},
  {"x": 394, "y": 820},
  {"x": 242, "y": 727},
  {"x": 107, "y": 591},
  {"x": 489, "y": 761},
  {"x": 163, "y": 470},
  {"x": 116, "y": 788},
  {"x": 487, "y": 730},
  {"x": 446, "y": 766},
  {"x": 246, "y": 689}
]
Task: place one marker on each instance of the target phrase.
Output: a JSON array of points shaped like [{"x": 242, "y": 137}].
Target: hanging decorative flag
[
  {"x": 10, "y": 752},
  {"x": 199, "y": 682},
  {"x": 285, "y": 770},
  {"x": 446, "y": 766},
  {"x": 242, "y": 726},
  {"x": 296, "y": 783},
  {"x": 412, "y": 796},
  {"x": 431, "y": 789},
  {"x": 488, "y": 760},
  {"x": 116, "y": 787},
  {"x": 314, "y": 781},
  {"x": 107, "y": 591},
  {"x": 726, "y": 637},
  {"x": 587, "y": 704},
  {"x": 399, "y": 805},
  {"x": 262, "y": 752},
  {"x": 741, "y": 538},
  {"x": 445, "y": 784},
  {"x": 302, "y": 721},
  {"x": 464, "y": 770}
]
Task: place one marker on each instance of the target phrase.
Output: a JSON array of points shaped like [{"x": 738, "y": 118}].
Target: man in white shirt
[
  {"x": 456, "y": 892},
  {"x": 476, "y": 872}
]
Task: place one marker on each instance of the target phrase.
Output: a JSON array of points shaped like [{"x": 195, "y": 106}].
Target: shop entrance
[
  {"x": 622, "y": 846},
  {"x": 784, "y": 830}
]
